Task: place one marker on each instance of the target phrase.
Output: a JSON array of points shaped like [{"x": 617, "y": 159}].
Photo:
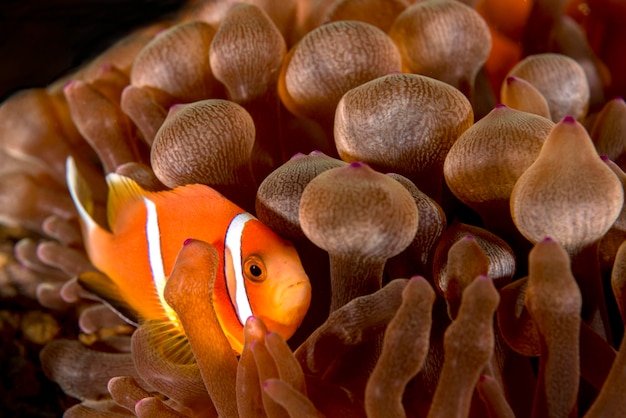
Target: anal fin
[{"x": 103, "y": 287}]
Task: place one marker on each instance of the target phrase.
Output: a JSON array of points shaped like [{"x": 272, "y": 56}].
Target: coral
[{"x": 466, "y": 259}]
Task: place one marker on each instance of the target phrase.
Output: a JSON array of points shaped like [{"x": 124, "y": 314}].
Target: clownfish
[{"x": 259, "y": 273}]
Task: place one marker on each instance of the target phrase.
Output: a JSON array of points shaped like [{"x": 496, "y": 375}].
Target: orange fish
[{"x": 259, "y": 273}]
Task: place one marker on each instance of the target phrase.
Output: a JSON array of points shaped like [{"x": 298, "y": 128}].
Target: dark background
[{"x": 41, "y": 40}]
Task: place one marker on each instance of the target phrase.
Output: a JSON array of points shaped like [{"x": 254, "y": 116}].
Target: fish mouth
[
  {"x": 298, "y": 283},
  {"x": 295, "y": 298}
]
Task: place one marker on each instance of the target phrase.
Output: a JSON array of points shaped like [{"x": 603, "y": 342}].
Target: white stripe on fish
[{"x": 233, "y": 243}]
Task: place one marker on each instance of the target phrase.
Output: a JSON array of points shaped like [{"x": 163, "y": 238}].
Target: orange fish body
[{"x": 259, "y": 273}]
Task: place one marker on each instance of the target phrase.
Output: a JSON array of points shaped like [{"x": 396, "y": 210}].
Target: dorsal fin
[
  {"x": 102, "y": 286},
  {"x": 81, "y": 195},
  {"x": 122, "y": 191}
]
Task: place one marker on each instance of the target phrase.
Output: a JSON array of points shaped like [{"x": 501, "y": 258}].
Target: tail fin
[
  {"x": 79, "y": 190},
  {"x": 96, "y": 237},
  {"x": 98, "y": 245}
]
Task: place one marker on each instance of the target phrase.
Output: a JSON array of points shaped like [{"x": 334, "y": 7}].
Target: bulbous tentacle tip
[
  {"x": 48, "y": 295},
  {"x": 151, "y": 406},
  {"x": 605, "y": 158},
  {"x": 193, "y": 257},
  {"x": 501, "y": 106},
  {"x": 358, "y": 164},
  {"x": 256, "y": 322},
  {"x": 126, "y": 391}
]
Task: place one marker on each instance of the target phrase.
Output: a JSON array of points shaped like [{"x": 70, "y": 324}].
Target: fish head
[{"x": 277, "y": 287}]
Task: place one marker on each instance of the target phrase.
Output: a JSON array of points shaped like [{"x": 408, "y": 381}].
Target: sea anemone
[{"x": 466, "y": 258}]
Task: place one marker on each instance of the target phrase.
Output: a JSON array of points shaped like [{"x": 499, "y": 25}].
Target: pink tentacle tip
[
  {"x": 357, "y": 164},
  {"x": 511, "y": 79},
  {"x": 619, "y": 99},
  {"x": 605, "y": 158},
  {"x": 468, "y": 236},
  {"x": 69, "y": 84},
  {"x": 140, "y": 401},
  {"x": 501, "y": 106},
  {"x": 107, "y": 66},
  {"x": 482, "y": 378},
  {"x": 548, "y": 239},
  {"x": 187, "y": 241},
  {"x": 175, "y": 108},
  {"x": 568, "y": 119}
]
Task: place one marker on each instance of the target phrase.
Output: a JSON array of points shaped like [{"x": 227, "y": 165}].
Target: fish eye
[{"x": 254, "y": 269}]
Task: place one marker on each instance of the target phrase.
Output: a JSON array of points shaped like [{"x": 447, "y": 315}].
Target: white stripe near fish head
[
  {"x": 232, "y": 242},
  {"x": 155, "y": 257}
]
